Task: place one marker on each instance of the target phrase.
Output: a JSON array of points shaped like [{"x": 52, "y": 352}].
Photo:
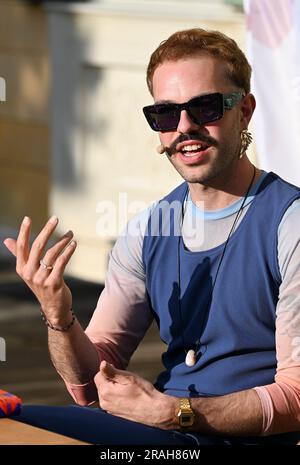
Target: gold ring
[{"x": 45, "y": 266}]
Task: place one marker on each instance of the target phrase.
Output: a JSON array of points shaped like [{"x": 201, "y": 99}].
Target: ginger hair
[{"x": 198, "y": 42}]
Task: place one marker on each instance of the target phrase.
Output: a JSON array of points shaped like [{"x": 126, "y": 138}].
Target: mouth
[{"x": 193, "y": 152}]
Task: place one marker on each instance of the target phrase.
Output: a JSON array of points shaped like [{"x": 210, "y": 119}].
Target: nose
[{"x": 185, "y": 124}]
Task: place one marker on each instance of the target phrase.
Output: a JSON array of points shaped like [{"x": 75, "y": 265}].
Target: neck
[{"x": 219, "y": 193}]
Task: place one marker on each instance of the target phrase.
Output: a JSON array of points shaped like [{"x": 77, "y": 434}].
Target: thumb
[
  {"x": 11, "y": 244},
  {"x": 107, "y": 369}
]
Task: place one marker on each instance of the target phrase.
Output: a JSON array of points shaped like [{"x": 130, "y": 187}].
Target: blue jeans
[{"x": 95, "y": 426}]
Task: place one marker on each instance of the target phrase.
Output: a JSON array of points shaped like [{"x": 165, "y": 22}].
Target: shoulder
[
  {"x": 291, "y": 219},
  {"x": 289, "y": 238},
  {"x": 126, "y": 255}
]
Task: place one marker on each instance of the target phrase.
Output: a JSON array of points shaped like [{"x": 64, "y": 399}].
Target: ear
[{"x": 248, "y": 105}]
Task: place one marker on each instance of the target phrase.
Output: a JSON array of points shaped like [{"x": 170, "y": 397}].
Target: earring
[{"x": 246, "y": 139}]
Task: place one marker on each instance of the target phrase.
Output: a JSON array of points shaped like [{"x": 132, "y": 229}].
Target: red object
[{"x": 9, "y": 404}]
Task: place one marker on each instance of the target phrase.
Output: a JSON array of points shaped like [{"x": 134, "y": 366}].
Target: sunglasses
[{"x": 203, "y": 109}]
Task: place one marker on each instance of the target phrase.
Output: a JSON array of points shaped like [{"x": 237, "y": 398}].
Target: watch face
[{"x": 186, "y": 419}]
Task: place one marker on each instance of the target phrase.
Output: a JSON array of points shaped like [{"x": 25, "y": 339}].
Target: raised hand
[{"x": 43, "y": 271}]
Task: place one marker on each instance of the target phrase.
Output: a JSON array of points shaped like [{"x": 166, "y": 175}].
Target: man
[{"x": 226, "y": 305}]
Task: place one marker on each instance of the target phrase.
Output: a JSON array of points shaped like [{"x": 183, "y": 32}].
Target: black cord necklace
[{"x": 191, "y": 354}]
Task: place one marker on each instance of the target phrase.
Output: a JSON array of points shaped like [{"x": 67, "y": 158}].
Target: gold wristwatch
[{"x": 186, "y": 416}]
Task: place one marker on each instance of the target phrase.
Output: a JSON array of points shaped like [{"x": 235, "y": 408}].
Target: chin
[
  {"x": 194, "y": 176},
  {"x": 194, "y": 179},
  {"x": 206, "y": 174}
]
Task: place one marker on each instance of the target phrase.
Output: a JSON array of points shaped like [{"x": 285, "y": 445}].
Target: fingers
[
  {"x": 62, "y": 261},
  {"x": 110, "y": 373},
  {"x": 105, "y": 374},
  {"x": 51, "y": 256},
  {"x": 11, "y": 244},
  {"x": 107, "y": 369},
  {"x": 40, "y": 243},
  {"x": 53, "y": 253},
  {"x": 28, "y": 261},
  {"x": 22, "y": 248}
]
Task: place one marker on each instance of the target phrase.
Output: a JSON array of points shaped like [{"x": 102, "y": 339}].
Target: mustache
[{"x": 191, "y": 136}]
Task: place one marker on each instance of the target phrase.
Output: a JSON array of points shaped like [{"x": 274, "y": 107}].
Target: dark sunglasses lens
[
  {"x": 164, "y": 118},
  {"x": 206, "y": 108}
]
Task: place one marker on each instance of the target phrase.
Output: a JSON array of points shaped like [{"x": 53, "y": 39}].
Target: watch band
[
  {"x": 186, "y": 416},
  {"x": 185, "y": 403}
]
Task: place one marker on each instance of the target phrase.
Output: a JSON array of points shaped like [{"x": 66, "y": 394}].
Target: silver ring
[{"x": 45, "y": 266}]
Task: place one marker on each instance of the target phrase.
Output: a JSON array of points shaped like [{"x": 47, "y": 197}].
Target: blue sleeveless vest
[{"x": 237, "y": 327}]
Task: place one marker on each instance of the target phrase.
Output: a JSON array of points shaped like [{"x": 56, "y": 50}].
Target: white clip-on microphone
[{"x": 161, "y": 149}]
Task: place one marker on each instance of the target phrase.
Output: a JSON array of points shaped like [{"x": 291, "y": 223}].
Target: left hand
[{"x": 129, "y": 396}]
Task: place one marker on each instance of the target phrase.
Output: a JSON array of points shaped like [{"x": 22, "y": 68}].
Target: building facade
[{"x": 86, "y": 153}]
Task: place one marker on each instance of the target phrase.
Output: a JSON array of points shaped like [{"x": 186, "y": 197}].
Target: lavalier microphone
[{"x": 161, "y": 149}]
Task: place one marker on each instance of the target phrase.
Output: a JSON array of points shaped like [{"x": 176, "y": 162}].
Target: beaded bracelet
[{"x": 58, "y": 328}]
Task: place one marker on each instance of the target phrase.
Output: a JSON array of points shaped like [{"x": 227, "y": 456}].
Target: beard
[{"x": 220, "y": 162}]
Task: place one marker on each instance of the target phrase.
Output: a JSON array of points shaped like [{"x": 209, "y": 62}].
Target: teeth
[
  {"x": 189, "y": 148},
  {"x": 192, "y": 148}
]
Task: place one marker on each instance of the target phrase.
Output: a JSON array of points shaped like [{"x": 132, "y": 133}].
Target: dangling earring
[{"x": 246, "y": 139}]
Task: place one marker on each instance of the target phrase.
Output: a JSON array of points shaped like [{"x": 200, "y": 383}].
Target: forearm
[
  {"x": 73, "y": 355},
  {"x": 237, "y": 414}
]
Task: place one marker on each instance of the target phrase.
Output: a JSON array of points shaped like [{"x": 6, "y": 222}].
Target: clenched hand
[{"x": 129, "y": 396}]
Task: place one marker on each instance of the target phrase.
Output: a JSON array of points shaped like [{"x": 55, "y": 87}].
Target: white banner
[{"x": 273, "y": 49}]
